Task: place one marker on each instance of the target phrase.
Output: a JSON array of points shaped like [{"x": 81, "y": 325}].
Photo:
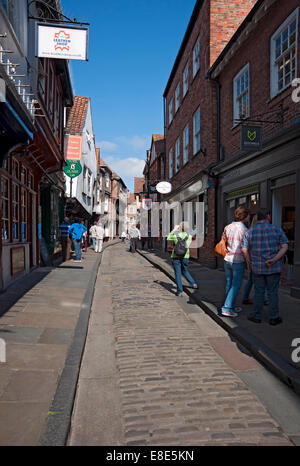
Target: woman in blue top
[{"x": 77, "y": 230}]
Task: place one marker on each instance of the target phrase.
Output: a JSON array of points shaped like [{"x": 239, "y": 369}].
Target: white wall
[{"x": 89, "y": 162}]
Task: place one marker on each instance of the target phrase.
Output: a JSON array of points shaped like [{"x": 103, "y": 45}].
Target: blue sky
[{"x": 133, "y": 46}]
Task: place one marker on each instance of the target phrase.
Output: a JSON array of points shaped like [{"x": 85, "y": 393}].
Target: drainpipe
[{"x": 218, "y": 148}]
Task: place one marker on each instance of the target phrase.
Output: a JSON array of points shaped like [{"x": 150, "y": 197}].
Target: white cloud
[
  {"x": 125, "y": 168},
  {"x": 108, "y": 146},
  {"x": 136, "y": 142}
]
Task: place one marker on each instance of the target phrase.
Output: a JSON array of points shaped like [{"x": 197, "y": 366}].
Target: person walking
[
  {"x": 180, "y": 255},
  {"x": 134, "y": 235},
  {"x": 249, "y": 283},
  {"x": 93, "y": 230},
  {"x": 264, "y": 246},
  {"x": 65, "y": 239},
  {"x": 77, "y": 230},
  {"x": 123, "y": 236},
  {"x": 234, "y": 261},
  {"x": 99, "y": 237}
]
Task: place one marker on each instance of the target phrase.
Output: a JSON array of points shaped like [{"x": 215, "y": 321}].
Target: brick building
[
  {"x": 191, "y": 111},
  {"x": 33, "y": 94},
  {"x": 255, "y": 72}
]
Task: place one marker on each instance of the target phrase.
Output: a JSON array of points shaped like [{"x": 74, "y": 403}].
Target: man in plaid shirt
[{"x": 264, "y": 245}]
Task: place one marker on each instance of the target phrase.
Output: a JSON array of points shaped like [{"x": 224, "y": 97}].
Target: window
[
  {"x": 5, "y": 209},
  {"x": 283, "y": 54},
  {"x": 196, "y": 132},
  {"x": 185, "y": 80},
  {"x": 241, "y": 107},
  {"x": 15, "y": 211},
  {"x": 170, "y": 112},
  {"x": 107, "y": 181},
  {"x": 185, "y": 145},
  {"x": 15, "y": 169},
  {"x": 171, "y": 163},
  {"x": 42, "y": 77},
  {"x": 177, "y": 98},
  {"x": 24, "y": 215},
  {"x": 177, "y": 155},
  {"x": 196, "y": 58}
]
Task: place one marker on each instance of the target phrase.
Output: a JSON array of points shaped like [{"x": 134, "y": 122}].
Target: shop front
[{"x": 267, "y": 179}]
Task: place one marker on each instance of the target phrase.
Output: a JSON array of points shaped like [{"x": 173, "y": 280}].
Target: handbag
[{"x": 220, "y": 248}]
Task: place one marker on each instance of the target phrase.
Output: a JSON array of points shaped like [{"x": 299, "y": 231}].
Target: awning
[{"x": 15, "y": 129}]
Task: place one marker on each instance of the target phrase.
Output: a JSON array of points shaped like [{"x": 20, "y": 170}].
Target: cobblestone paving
[{"x": 175, "y": 389}]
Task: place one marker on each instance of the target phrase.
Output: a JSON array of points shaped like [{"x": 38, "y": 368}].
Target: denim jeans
[
  {"x": 261, "y": 284},
  {"x": 248, "y": 287},
  {"x": 180, "y": 266},
  {"x": 77, "y": 247},
  {"x": 234, "y": 272}
]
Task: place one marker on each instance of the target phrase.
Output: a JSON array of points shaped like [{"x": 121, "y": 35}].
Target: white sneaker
[{"x": 229, "y": 313}]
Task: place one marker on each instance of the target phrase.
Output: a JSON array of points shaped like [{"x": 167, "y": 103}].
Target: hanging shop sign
[
  {"x": 62, "y": 42},
  {"x": 251, "y": 138},
  {"x": 164, "y": 187},
  {"x": 73, "y": 147},
  {"x": 147, "y": 204},
  {"x": 73, "y": 168}
]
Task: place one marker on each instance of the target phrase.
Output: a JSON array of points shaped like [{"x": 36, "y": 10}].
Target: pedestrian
[
  {"x": 77, "y": 230},
  {"x": 65, "y": 239},
  {"x": 180, "y": 255},
  {"x": 249, "y": 283},
  {"x": 264, "y": 246},
  {"x": 134, "y": 235},
  {"x": 234, "y": 261},
  {"x": 93, "y": 235},
  {"x": 99, "y": 237},
  {"x": 124, "y": 235}
]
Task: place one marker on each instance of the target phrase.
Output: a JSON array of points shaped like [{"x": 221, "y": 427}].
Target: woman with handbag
[{"x": 234, "y": 260}]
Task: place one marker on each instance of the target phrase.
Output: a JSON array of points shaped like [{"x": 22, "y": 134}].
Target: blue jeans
[
  {"x": 180, "y": 266},
  {"x": 94, "y": 243},
  {"x": 248, "y": 287},
  {"x": 77, "y": 247},
  {"x": 261, "y": 284},
  {"x": 234, "y": 272}
]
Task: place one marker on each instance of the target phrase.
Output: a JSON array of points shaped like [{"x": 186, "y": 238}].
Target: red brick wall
[
  {"x": 202, "y": 93},
  {"x": 225, "y": 18},
  {"x": 260, "y": 101}
]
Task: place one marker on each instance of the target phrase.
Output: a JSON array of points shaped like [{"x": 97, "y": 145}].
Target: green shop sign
[
  {"x": 73, "y": 168},
  {"x": 251, "y": 138}
]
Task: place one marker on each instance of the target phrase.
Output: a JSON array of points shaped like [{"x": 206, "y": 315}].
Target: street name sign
[{"x": 73, "y": 168}]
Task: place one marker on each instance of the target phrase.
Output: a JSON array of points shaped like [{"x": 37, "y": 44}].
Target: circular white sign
[{"x": 164, "y": 187}]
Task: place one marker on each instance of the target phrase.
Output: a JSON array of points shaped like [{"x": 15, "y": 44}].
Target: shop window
[
  {"x": 284, "y": 54},
  {"x": 24, "y": 215},
  {"x": 5, "y": 209},
  {"x": 15, "y": 211}
]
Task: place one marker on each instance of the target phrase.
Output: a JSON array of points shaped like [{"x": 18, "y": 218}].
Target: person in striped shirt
[
  {"x": 234, "y": 261},
  {"x": 264, "y": 246}
]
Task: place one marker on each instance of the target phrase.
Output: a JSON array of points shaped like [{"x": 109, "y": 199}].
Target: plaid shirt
[{"x": 263, "y": 242}]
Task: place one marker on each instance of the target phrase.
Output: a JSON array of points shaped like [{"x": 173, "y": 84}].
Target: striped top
[
  {"x": 263, "y": 242},
  {"x": 235, "y": 233}
]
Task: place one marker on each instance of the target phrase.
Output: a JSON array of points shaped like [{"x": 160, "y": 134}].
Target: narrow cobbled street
[{"x": 158, "y": 371}]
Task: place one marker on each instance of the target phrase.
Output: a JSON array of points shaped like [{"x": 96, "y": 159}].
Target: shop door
[{"x": 283, "y": 215}]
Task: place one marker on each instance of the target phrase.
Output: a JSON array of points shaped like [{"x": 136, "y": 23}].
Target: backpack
[{"x": 180, "y": 249}]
